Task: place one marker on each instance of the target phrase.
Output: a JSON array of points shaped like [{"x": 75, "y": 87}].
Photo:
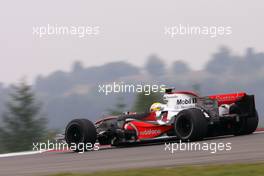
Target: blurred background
[{"x": 64, "y": 71}]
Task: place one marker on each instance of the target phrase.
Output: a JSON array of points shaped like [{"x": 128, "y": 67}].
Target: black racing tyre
[
  {"x": 246, "y": 125},
  {"x": 239, "y": 127},
  {"x": 80, "y": 131},
  {"x": 190, "y": 125},
  {"x": 252, "y": 123}
]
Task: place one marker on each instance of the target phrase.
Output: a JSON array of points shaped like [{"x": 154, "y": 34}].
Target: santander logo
[{"x": 150, "y": 132}]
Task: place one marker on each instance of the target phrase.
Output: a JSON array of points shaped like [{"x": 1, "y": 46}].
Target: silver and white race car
[{"x": 184, "y": 115}]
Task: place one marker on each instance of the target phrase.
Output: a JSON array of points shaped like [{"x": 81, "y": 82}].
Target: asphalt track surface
[{"x": 248, "y": 148}]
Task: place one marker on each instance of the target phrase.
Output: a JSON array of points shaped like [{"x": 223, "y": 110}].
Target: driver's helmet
[{"x": 156, "y": 107}]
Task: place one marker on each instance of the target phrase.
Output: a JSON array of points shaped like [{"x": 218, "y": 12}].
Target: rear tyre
[
  {"x": 190, "y": 125},
  {"x": 80, "y": 132},
  {"x": 246, "y": 125},
  {"x": 252, "y": 123}
]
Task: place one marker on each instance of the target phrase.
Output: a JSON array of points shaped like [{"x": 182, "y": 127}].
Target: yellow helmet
[{"x": 156, "y": 107}]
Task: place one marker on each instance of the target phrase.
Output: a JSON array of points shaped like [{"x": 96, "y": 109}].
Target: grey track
[{"x": 248, "y": 148}]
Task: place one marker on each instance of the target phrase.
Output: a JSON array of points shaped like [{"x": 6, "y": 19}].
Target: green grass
[{"x": 211, "y": 170}]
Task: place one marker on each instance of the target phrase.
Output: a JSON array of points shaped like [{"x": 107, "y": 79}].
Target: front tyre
[
  {"x": 190, "y": 125},
  {"x": 80, "y": 132}
]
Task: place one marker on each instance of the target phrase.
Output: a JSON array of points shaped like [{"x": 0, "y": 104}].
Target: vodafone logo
[{"x": 150, "y": 132}]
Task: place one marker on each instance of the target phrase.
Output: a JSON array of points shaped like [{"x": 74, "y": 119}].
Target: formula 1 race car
[{"x": 184, "y": 115}]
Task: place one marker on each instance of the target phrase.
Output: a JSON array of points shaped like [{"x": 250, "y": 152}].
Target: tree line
[{"x": 23, "y": 122}]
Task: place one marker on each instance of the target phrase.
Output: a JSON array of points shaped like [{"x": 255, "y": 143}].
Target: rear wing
[{"x": 228, "y": 98}]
